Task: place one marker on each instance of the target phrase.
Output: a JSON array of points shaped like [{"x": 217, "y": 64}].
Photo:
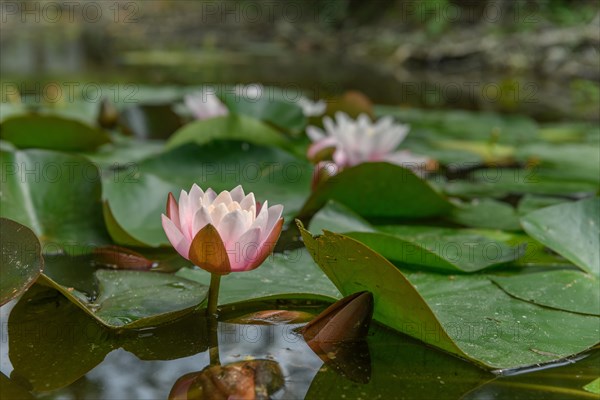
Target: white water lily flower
[
  {"x": 312, "y": 108},
  {"x": 222, "y": 233},
  {"x": 358, "y": 141},
  {"x": 205, "y": 104}
]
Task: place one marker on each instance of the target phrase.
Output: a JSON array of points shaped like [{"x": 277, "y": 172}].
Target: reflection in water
[
  {"x": 338, "y": 336},
  {"x": 83, "y": 361},
  {"x": 256, "y": 379}
]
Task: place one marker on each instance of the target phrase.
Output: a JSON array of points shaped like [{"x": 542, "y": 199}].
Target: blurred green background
[{"x": 539, "y": 58}]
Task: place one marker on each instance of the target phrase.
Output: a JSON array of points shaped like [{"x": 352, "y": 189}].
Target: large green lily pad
[
  {"x": 570, "y": 229},
  {"x": 466, "y": 315},
  {"x": 21, "y": 261},
  {"x": 56, "y": 195}
]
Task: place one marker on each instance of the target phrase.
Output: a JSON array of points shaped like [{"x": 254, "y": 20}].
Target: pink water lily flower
[
  {"x": 357, "y": 141},
  {"x": 222, "y": 233},
  {"x": 205, "y": 104}
]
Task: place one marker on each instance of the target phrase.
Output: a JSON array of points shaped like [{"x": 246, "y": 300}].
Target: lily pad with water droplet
[
  {"x": 571, "y": 229},
  {"x": 132, "y": 299}
]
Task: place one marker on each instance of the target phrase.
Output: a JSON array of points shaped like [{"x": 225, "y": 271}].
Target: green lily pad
[
  {"x": 133, "y": 205},
  {"x": 125, "y": 299},
  {"x": 21, "y": 261},
  {"x": 466, "y": 315},
  {"x": 51, "y": 132},
  {"x": 139, "y": 196},
  {"x": 379, "y": 190},
  {"x": 233, "y": 126},
  {"x": 269, "y": 108},
  {"x": 293, "y": 275},
  {"x": 457, "y": 250},
  {"x": 56, "y": 195},
  {"x": 593, "y": 386},
  {"x": 561, "y": 289},
  {"x": 486, "y": 213},
  {"x": 532, "y": 202},
  {"x": 570, "y": 229},
  {"x": 498, "y": 183},
  {"x": 571, "y": 162}
]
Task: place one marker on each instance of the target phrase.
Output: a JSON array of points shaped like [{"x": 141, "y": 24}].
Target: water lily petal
[
  {"x": 237, "y": 194},
  {"x": 274, "y": 215},
  {"x": 173, "y": 209},
  {"x": 242, "y": 254},
  {"x": 180, "y": 243},
  {"x": 232, "y": 226},
  {"x": 315, "y": 148},
  {"x": 209, "y": 197},
  {"x": 218, "y": 213},
  {"x": 186, "y": 213},
  {"x": 262, "y": 218},
  {"x": 195, "y": 195},
  {"x": 248, "y": 202},
  {"x": 201, "y": 218},
  {"x": 223, "y": 198},
  {"x": 315, "y": 134},
  {"x": 267, "y": 246}
]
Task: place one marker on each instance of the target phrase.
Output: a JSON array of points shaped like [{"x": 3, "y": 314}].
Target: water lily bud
[{"x": 222, "y": 233}]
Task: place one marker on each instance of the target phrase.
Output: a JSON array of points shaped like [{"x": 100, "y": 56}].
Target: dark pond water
[{"x": 73, "y": 358}]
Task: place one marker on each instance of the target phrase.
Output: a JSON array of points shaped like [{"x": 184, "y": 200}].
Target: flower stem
[
  {"x": 211, "y": 317},
  {"x": 213, "y": 295},
  {"x": 213, "y": 340}
]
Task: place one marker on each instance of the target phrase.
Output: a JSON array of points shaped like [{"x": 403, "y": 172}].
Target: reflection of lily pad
[{"x": 52, "y": 342}]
